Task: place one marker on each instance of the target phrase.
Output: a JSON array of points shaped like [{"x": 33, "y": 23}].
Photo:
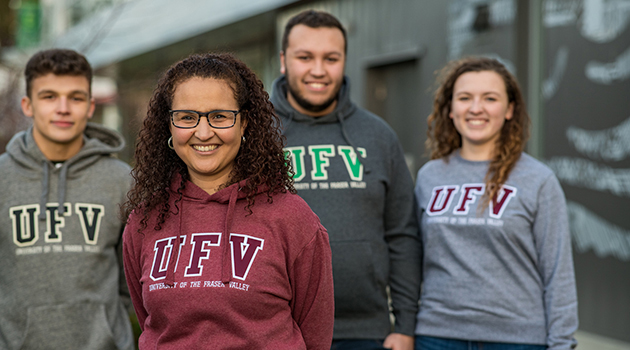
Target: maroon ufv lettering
[
  {"x": 441, "y": 198},
  {"x": 201, "y": 251},
  {"x": 244, "y": 250},
  {"x": 500, "y": 201},
  {"x": 468, "y": 197}
]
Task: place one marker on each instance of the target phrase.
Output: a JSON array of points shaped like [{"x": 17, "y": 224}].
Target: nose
[
  {"x": 318, "y": 69},
  {"x": 204, "y": 131},
  {"x": 476, "y": 106},
  {"x": 62, "y": 106}
]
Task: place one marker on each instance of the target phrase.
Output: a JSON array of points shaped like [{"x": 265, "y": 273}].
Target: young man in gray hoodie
[
  {"x": 350, "y": 168},
  {"x": 61, "y": 282}
]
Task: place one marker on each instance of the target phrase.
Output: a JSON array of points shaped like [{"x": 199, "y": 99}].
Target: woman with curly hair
[
  {"x": 219, "y": 251},
  {"x": 497, "y": 264}
]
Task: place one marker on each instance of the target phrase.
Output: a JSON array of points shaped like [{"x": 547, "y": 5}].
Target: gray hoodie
[
  {"x": 61, "y": 282},
  {"x": 367, "y": 206}
]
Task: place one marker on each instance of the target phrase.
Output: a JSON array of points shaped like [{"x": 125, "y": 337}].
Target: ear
[
  {"x": 243, "y": 125},
  {"x": 27, "y": 106},
  {"x": 510, "y": 111},
  {"x": 283, "y": 68},
  {"x": 91, "y": 108}
]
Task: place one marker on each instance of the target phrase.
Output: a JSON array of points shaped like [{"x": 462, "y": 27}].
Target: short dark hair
[
  {"x": 313, "y": 19},
  {"x": 57, "y": 62}
]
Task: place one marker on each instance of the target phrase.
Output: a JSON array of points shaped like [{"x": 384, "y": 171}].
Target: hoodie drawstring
[
  {"x": 345, "y": 136},
  {"x": 172, "y": 262},
  {"x": 226, "y": 267},
  {"x": 44, "y": 197},
  {"x": 286, "y": 127},
  {"x": 61, "y": 188},
  {"x": 226, "y": 270}
]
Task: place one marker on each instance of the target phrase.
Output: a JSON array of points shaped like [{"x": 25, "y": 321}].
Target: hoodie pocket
[
  {"x": 358, "y": 288},
  {"x": 68, "y": 326}
]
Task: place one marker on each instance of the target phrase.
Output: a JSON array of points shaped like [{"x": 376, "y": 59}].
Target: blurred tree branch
[{"x": 11, "y": 118}]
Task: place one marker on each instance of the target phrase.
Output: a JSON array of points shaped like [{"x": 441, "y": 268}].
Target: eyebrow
[
  {"x": 483, "y": 94},
  {"x": 305, "y": 51},
  {"x": 74, "y": 92}
]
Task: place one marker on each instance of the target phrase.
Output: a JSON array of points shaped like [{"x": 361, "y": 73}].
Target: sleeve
[
  {"x": 122, "y": 283},
  {"x": 555, "y": 265},
  {"x": 123, "y": 290},
  {"x": 402, "y": 236},
  {"x": 133, "y": 271},
  {"x": 313, "y": 297}
]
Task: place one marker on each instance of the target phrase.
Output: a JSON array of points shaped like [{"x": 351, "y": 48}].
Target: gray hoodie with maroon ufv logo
[
  {"x": 502, "y": 272},
  {"x": 366, "y": 203},
  {"x": 61, "y": 282}
]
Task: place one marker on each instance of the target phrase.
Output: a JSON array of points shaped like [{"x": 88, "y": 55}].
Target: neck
[
  {"x": 294, "y": 103},
  {"x": 477, "y": 153},
  {"x": 57, "y": 151},
  {"x": 210, "y": 186}
]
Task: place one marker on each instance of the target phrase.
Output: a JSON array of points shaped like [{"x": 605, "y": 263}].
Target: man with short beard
[{"x": 350, "y": 168}]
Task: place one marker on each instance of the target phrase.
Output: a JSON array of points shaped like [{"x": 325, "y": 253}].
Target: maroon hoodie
[{"x": 266, "y": 285}]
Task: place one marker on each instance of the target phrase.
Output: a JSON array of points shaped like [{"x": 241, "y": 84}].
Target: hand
[{"x": 398, "y": 341}]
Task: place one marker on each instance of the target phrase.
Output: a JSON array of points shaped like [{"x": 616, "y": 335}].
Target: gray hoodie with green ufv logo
[
  {"x": 366, "y": 203},
  {"x": 61, "y": 282}
]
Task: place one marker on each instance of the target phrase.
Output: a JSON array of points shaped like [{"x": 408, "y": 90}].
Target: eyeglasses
[{"x": 219, "y": 119}]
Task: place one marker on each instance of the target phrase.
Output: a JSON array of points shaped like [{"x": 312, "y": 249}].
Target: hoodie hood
[
  {"x": 97, "y": 141},
  {"x": 193, "y": 193}
]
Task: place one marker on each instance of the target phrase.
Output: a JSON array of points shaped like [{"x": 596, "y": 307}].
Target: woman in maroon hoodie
[{"x": 219, "y": 251}]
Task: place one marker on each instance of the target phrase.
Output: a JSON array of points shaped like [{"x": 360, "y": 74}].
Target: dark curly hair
[
  {"x": 260, "y": 160},
  {"x": 443, "y": 138}
]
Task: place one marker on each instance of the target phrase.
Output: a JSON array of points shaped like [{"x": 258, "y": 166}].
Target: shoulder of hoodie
[
  {"x": 365, "y": 122},
  {"x": 9, "y": 174},
  {"x": 10, "y": 170},
  {"x": 531, "y": 170},
  {"x": 107, "y": 152},
  {"x": 528, "y": 173},
  {"x": 113, "y": 163},
  {"x": 11, "y": 147},
  {"x": 292, "y": 209},
  {"x": 525, "y": 166},
  {"x": 111, "y": 166},
  {"x": 4, "y": 160},
  {"x": 298, "y": 223},
  {"x": 108, "y": 164},
  {"x": 432, "y": 166}
]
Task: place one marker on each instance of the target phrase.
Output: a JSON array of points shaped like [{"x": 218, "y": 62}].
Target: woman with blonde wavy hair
[{"x": 497, "y": 265}]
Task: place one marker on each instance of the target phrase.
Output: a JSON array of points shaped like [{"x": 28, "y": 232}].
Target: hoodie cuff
[{"x": 405, "y": 323}]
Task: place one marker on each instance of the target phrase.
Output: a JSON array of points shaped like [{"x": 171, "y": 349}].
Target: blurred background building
[{"x": 572, "y": 58}]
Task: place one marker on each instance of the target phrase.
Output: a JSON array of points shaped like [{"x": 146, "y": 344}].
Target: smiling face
[
  {"x": 207, "y": 152},
  {"x": 479, "y": 109},
  {"x": 60, "y": 106},
  {"x": 313, "y": 63}
]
